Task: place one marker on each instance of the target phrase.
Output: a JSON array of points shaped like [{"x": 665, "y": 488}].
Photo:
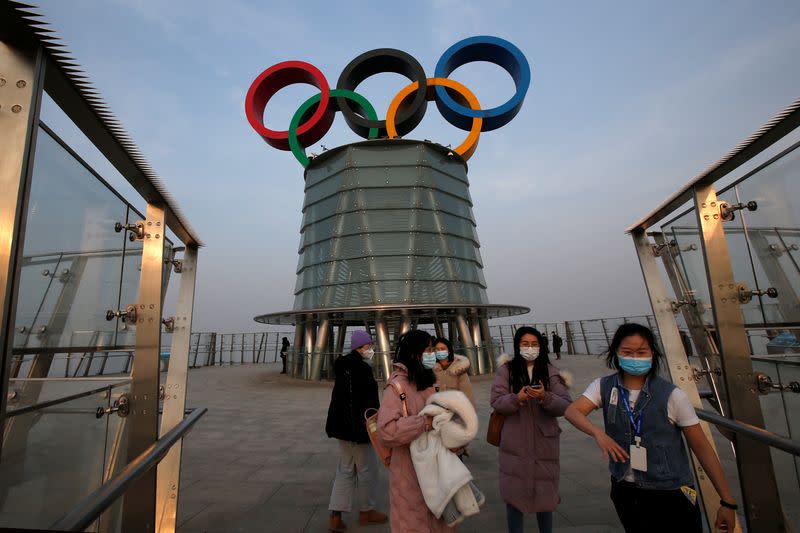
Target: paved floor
[{"x": 259, "y": 461}]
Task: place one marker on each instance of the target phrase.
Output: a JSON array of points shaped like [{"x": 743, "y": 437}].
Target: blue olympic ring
[{"x": 483, "y": 48}]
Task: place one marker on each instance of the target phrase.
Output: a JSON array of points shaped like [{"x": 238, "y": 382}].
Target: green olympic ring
[{"x": 366, "y": 109}]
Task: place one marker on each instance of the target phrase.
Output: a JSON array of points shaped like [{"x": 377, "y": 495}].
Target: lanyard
[{"x": 636, "y": 423}]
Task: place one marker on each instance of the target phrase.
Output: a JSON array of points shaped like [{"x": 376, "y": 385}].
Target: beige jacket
[{"x": 455, "y": 377}]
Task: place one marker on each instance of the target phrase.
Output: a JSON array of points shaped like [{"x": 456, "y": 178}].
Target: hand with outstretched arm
[{"x": 577, "y": 414}]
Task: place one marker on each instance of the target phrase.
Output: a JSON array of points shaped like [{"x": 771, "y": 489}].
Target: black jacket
[
  {"x": 557, "y": 342},
  {"x": 354, "y": 391}
]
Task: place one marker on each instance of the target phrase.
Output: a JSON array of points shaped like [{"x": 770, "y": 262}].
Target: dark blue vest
[{"x": 667, "y": 460}]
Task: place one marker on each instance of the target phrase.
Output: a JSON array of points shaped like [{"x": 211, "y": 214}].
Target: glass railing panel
[
  {"x": 59, "y": 451},
  {"x": 688, "y": 252},
  {"x": 774, "y": 233},
  {"x": 741, "y": 260},
  {"x": 37, "y": 275},
  {"x": 780, "y": 410}
]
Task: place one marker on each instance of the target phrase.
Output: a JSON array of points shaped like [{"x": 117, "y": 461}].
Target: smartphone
[{"x": 537, "y": 386}]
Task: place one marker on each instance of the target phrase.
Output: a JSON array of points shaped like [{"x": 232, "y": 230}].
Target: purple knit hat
[{"x": 359, "y": 339}]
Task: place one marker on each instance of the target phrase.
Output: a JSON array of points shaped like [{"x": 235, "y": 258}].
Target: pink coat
[
  {"x": 407, "y": 509},
  {"x": 529, "y": 443}
]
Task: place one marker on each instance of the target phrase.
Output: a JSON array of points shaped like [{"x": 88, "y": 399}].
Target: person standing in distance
[
  {"x": 557, "y": 342},
  {"x": 284, "y": 349},
  {"x": 354, "y": 391}
]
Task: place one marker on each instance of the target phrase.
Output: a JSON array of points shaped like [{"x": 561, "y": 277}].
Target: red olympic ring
[{"x": 273, "y": 80}]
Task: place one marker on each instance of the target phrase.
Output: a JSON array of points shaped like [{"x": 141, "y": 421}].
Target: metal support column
[
  {"x": 466, "y": 338},
  {"x": 139, "y": 508},
  {"x": 679, "y": 369},
  {"x": 488, "y": 344},
  {"x": 437, "y": 327},
  {"x": 475, "y": 324},
  {"x": 340, "y": 337},
  {"x": 169, "y": 469},
  {"x": 20, "y": 99},
  {"x": 756, "y": 473},
  {"x": 384, "y": 355},
  {"x": 451, "y": 330},
  {"x": 405, "y": 322},
  {"x": 319, "y": 347},
  {"x": 308, "y": 345}
]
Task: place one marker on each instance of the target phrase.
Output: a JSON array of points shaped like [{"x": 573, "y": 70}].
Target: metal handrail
[
  {"x": 63, "y": 399},
  {"x": 88, "y": 509},
  {"x": 756, "y": 433}
]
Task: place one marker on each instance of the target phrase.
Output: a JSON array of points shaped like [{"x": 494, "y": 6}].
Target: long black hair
[
  {"x": 409, "y": 350},
  {"x": 628, "y": 330},
  {"x": 519, "y": 366},
  {"x": 446, "y": 342}
]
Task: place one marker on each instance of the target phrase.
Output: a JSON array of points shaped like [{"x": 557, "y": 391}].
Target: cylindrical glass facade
[{"x": 388, "y": 222}]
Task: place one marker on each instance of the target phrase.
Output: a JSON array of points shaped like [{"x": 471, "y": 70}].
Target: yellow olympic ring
[{"x": 465, "y": 149}]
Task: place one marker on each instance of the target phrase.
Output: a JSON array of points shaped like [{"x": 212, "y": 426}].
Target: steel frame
[
  {"x": 756, "y": 473},
  {"x": 678, "y": 363},
  {"x": 168, "y": 473}
]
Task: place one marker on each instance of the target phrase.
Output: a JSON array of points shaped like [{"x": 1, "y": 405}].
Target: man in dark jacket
[
  {"x": 354, "y": 391},
  {"x": 557, "y": 342}
]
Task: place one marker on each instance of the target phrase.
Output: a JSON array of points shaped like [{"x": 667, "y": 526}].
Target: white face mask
[
  {"x": 368, "y": 354},
  {"x": 529, "y": 353}
]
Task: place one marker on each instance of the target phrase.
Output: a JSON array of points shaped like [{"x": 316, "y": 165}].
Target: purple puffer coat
[{"x": 529, "y": 445}]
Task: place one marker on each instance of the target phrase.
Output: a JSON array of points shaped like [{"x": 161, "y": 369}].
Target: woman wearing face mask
[
  {"x": 397, "y": 428},
  {"x": 451, "y": 369},
  {"x": 354, "y": 391},
  {"x": 645, "y": 417},
  {"x": 531, "y": 393}
]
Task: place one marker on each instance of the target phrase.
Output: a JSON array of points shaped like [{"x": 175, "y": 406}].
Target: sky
[{"x": 628, "y": 101}]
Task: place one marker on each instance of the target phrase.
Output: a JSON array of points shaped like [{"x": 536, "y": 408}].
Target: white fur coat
[{"x": 441, "y": 474}]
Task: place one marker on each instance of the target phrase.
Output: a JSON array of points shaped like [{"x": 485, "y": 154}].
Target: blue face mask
[
  {"x": 441, "y": 356},
  {"x": 635, "y": 366},
  {"x": 429, "y": 360}
]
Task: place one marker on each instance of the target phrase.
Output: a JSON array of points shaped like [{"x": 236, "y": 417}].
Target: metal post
[
  {"x": 585, "y": 340},
  {"x": 319, "y": 347},
  {"x": 679, "y": 368},
  {"x": 570, "y": 340},
  {"x": 169, "y": 470},
  {"x": 308, "y": 345},
  {"x": 756, "y": 473},
  {"x": 605, "y": 331},
  {"x": 405, "y": 322},
  {"x": 478, "y": 342},
  {"x": 340, "y": 336},
  {"x": 488, "y": 344},
  {"x": 384, "y": 356},
  {"x": 466, "y": 339},
  {"x": 139, "y": 509},
  {"x": 437, "y": 327},
  {"x": 20, "y": 99}
]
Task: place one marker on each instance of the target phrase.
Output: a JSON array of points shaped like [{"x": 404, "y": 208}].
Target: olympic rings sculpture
[{"x": 457, "y": 104}]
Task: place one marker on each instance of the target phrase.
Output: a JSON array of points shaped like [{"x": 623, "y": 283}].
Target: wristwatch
[{"x": 728, "y": 505}]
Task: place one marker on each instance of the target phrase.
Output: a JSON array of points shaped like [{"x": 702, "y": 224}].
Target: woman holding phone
[{"x": 530, "y": 393}]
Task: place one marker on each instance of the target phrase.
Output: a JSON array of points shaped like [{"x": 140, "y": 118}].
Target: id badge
[
  {"x": 638, "y": 456},
  {"x": 614, "y": 397}
]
